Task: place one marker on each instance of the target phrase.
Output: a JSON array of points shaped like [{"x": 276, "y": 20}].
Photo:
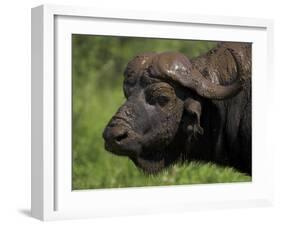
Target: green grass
[
  {"x": 122, "y": 173},
  {"x": 98, "y": 64}
]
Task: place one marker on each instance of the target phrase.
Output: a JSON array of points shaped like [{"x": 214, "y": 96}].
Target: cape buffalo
[{"x": 179, "y": 109}]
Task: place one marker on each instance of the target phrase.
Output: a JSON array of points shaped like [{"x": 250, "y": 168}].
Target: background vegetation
[{"x": 98, "y": 63}]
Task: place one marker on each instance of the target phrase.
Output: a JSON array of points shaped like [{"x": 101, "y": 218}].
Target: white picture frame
[{"x": 52, "y": 197}]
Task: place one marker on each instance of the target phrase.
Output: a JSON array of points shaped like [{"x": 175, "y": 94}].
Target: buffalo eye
[
  {"x": 162, "y": 100},
  {"x": 159, "y": 94}
]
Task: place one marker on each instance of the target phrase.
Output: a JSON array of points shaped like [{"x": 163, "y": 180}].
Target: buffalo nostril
[{"x": 121, "y": 136}]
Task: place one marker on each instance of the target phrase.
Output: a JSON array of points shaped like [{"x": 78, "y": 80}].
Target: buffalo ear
[{"x": 193, "y": 109}]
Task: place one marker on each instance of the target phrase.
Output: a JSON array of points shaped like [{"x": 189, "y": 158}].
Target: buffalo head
[{"x": 160, "y": 89}]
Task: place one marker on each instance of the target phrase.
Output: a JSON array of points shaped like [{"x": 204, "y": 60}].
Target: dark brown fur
[{"x": 179, "y": 110}]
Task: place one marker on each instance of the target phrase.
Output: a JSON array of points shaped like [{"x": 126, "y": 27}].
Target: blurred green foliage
[{"x": 98, "y": 63}]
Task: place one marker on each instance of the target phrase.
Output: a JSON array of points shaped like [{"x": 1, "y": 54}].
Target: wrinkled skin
[
  {"x": 179, "y": 110},
  {"x": 146, "y": 123}
]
